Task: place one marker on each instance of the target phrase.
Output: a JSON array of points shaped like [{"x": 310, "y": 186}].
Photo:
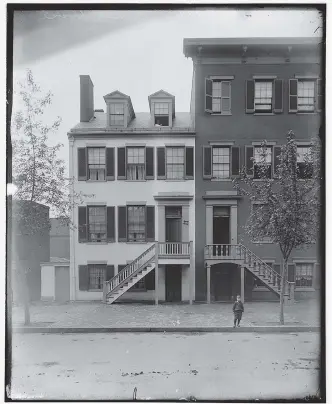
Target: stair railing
[{"x": 130, "y": 270}]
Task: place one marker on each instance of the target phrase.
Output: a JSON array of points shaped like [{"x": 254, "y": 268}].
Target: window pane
[
  {"x": 161, "y": 108},
  {"x": 216, "y": 105},
  {"x": 304, "y": 275},
  {"x": 216, "y": 89},
  {"x": 306, "y": 95},
  {"x": 136, "y": 223},
  {"x": 97, "y": 276},
  {"x": 225, "y": 89},
  {"x": 96, "y": 163},
  {"x": 225, "y": 104},
  {"x": 175, "y": 162},
  {"x": 259, "y": 157},
  {"x": 220, "y": 162},
  {"x": 117, "y": 109},
  {"x": 97, "y": 223},
  {"x": 263, "y": 96}
]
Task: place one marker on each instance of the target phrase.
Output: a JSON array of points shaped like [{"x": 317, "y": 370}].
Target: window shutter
[
  {"x": 319, "y": 95},
  {"x": 250, "y": 96},
  {"x": 276, "y": 158},
  {"x": 249, "y": 161},
  {"x": 317, "y": 276},
  {"x": 276, "y": 267},
  {"x": 122, "y": 224},
  {"x": 150, "y": 234},
  {"x": 150, "y": 280},
  {"x": 120, "y": 267},
  {"x": 235, "y": 160},
  {"x": 82, "y": 163},
  {"x": 189, "y": 163},
  {"x": 149, "y": 163},
  {"x": 121, "y": 163},
  {"x": 109, "y": 272},
  {"x": 278, "y": 96},
  {"x": 208, "y": 95},
  {"x": 291, "y": 272},
  {"x": 207, "y": 161},
  {"x": 161, "y": 163},
  {"x": 111, "y": 224},
  {"x": 293, "y": 95},
  {"x": 82, "y": 224},
  {"x": 83, "y": 275},
  {"x": 110, "y": 164}
]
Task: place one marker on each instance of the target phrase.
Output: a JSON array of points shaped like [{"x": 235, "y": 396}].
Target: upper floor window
[
  {"x": 304, "y": 162},
  {"x": 96, "y": 163},
  {"x": 306, "y": 95},
  {"x": 262, "y": 161},
  {"x": 161, "y": 113},
  {"x": 117, "y": 114},
  {"x": 263, "y": 96},
  {"x": 220, "y": 162},
  {"x": 97, "y": 223},
  {"x": 304, "y": 274},
  {"x": 136, "y": 223},
  {"x": 218, "y": 95},
  {"x": 135, "y": 163},
  {"x": 175, "y": 163}
]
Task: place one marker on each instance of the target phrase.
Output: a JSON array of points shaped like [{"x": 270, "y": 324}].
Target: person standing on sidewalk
[{"x": 238, "y": 309}]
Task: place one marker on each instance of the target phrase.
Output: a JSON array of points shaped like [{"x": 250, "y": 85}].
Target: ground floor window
[
  {"x": 97, "y": 276},
  {"x": 304, "y": 274}
]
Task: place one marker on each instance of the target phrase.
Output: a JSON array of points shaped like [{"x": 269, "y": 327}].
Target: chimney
[{"x": 87, "y": 107}]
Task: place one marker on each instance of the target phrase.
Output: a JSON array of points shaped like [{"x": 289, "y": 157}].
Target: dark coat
[{"x": 238, "y": 306}]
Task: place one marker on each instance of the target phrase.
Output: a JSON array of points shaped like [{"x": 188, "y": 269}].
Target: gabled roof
[
  {"x": 162, "y": 94},
  {"x": 116, "y": 94}
]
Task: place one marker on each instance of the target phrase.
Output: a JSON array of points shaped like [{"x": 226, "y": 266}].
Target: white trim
[
  {"x": 260, "y": 61},
  {"x": 221, "y": 193},
  {"x": 135, "y": 144},
  {"x": 175, "y": 145},
  {"x": 96, "y": 262},
  {"x": 304, "y": 289},
  {"x": 135, "y": 203},
  {"x": 304, "y": 77},
  {"x": 97, "y": 145},
  {"x": 263, "y": 77},
  {"x": 304, "y": 261},
  {"x": 259, "y": 143},
  {"x": 221, "y": 202},
  {"x": 221, "y": 143},
  {"x": 229, "y": 113},
  {"x": 89, "y": 203},
  {"x": 221, "y": 77}
]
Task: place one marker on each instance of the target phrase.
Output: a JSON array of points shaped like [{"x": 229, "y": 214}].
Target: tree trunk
[{"x": 282, "y": 292}]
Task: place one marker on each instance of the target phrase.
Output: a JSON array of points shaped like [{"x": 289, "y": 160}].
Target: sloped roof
[{"x": 116, "y": 94}]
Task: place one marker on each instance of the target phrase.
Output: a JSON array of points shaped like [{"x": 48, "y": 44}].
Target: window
[
  {"x": 262, "y": 162},
  {"x": 221, "y": 96},
  {"x": 304, "y": 163},
  {"x": 263, "y": 96},
  {"x": 117, "y": 114},
  {"x": 140, "y": 285},
  {"x": 136, "y": 223},
  {"x": 306, "y": 96},
  {"x": 97, "y": 276},
  {"x": 304, "y": 275},
  {"x": 175, "y": 163},
  {"x": 161, "y": 113},
  {"x": 260, "y": 215},
  {"x": 135, "y": 163},
  {"x": 220, "y": 162},
  {"x": 97, "y": 223},
  {"x": 96, "y": 163}
]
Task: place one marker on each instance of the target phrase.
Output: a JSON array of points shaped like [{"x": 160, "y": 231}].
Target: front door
[
  {"x": 221, "y": 280},
  {"x": 221, "y": 229},
  {"x": 62, "y": 292},
  {"x": 173, "y": 283},
  {"x": 173, "y": 224}
]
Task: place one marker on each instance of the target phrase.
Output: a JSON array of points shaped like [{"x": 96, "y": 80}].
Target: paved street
[
  {"x": 96, "y": 314},
  {"x": 206, "y": 366}
]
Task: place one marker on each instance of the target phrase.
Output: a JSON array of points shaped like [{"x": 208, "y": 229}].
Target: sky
[{"x": 135, "y": 52}]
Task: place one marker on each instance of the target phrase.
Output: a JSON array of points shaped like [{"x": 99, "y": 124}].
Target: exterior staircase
[
  {"x": 142, "y": 265},
  {"x": 241, "y": 255}
]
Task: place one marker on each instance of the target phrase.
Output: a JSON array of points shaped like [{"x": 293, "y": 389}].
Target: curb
[{"x": 98, "y": 330}]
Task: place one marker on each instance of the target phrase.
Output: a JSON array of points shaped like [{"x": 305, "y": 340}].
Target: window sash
[
  {"x": 304, "y": 275},
  {"x": 259, "y": 162},
  {"x": 221, "y": 96},
  {"x": 175, "y": 161},
  {"x": 263, "y": 96},
  {"x": 135, "y": 163},
  {"x": 306, "y": 95},
  {"x": 97, "y": 276},
  {"x": 161, "y": 108},
  {"x": 97, "y": 223},
  {"x": 220, "y": 162},
  {"x": 96, "y": 163},
  {"x": 136, "y": 226}
]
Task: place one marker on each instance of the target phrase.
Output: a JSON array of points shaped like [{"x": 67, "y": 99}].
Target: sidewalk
[{"x": 89, "y": 316}]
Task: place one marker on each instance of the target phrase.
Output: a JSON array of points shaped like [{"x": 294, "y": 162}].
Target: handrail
[{"x": 174, "y": 248}]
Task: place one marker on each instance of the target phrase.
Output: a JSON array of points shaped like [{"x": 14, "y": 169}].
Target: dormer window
[
  {"x": 161, "y": 114},
  {"x": 117, "y": 114}
]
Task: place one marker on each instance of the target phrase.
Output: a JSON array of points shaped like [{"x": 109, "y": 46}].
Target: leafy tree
[
  {"x": 287, "y": 203},
  {"x": 38, "y": 174}
]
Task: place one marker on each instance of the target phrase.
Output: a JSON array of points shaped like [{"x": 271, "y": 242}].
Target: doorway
[
  {"x": 221, "y": 229},
  {"x": 221, "y": 283},
  {"x": 62, "y": 292},
  {"x": 173, "y": 218},
  {"x": 173, "y": 283}
]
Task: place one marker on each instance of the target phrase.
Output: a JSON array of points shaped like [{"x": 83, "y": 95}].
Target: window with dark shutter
[
  {"x": 250, "y": 96},
  {"x": 189, "y": 163},
  {"x": 82, "y": 164},
  {"x": 161, "y": 162},
  {"x": 276, "y": 158},
  {"x": 207, "y": 162},
  {"x": 249, "y": 161},
  {"x": 293, "y": 95},
  {"x": 291, "y": 272},
  {"x": 150, "y": 231},
  {"x": 208, "y": 95},
  {"x": 110, "y": 163},
  {"x": 149, "y": 162},
  {"x": 83, "y": 275},
  {"x": 120, "y": 267},
  {"x": 278, "y": 96},
  {"x": 121, "y": 163},
  {"x": 109, "y": 272},
  {"x": 82, "y": 224},
  {"x": 111, "y": 224},
  {"x": 235, "y": 160},
  {"x": 122, "y": 223}
]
